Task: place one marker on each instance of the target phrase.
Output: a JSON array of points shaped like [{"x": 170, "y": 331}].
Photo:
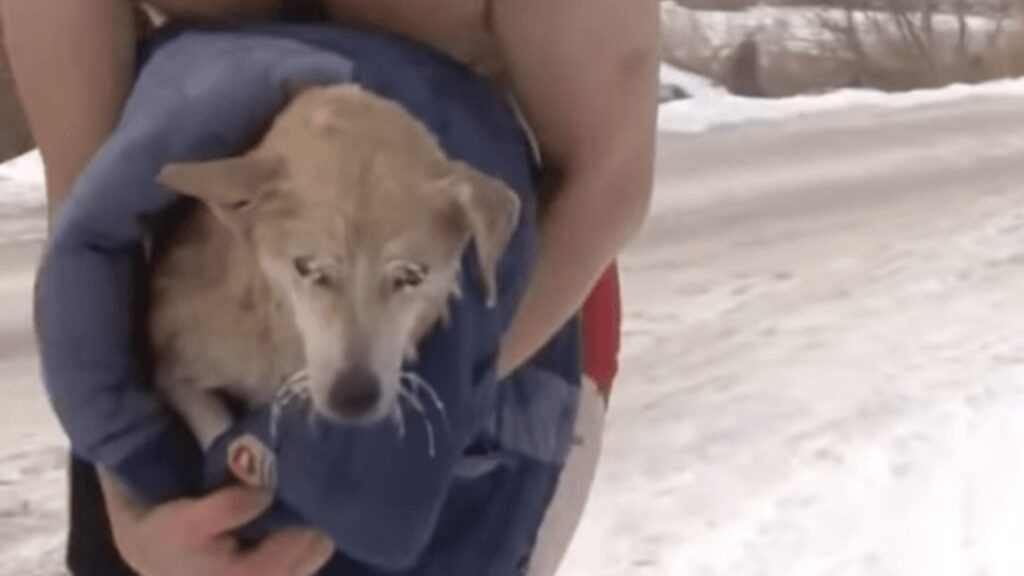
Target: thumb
[{"x": 227, "y": 509}]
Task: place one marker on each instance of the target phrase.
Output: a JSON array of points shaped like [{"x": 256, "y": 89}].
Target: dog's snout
[{"x": 355, "y": 394}]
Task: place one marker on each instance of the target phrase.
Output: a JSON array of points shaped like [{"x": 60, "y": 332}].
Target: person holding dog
[{"x": 582, "y": 71}]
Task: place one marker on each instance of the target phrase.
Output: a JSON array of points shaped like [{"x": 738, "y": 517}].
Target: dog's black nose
[{"x": 355, "y": 393}]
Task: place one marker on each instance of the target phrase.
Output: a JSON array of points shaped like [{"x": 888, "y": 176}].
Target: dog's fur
[{"x": 332, "y": 247}]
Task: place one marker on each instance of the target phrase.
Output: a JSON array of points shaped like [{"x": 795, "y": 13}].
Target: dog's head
[{"x": 358, "y": 220}]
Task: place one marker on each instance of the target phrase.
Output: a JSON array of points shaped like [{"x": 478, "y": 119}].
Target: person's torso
[{"x": 460, "y": 28}]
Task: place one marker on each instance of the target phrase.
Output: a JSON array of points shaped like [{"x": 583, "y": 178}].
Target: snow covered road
[
  {"x": 32, "y": 449},
  {"x": 824, "y": 354},
  {"x": 823, "y": 366}
]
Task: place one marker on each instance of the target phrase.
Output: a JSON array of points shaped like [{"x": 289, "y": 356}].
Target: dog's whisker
[
  {"x": 275, "y": 422},
  {"x": 431, "y": 442},
  {"x": 295, "y": 387},
  {"x": 418, "y": 384},
  {"x": 412, "y": 385},
  {"x": 421, "y": 410},
  {"x": 413, "y": 400},
  {"x": 398, "y": 419}
]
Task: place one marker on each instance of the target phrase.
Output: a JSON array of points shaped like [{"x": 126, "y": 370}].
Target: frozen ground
[
  {"x": 823, "y": 371},
  {"x": 823, "y": 366},
  {"x": 32, "y": 450},
  {"x": 711, "y": 106}
]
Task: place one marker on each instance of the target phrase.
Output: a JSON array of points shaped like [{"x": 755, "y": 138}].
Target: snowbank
[
  {"x": 25, "y": 169},
  {"x": 712, "y": 106},
  {"x": 22, "y": 187}
]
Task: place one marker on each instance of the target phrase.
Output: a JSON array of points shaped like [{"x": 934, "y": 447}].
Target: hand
[{"x": 193, "y": 537}]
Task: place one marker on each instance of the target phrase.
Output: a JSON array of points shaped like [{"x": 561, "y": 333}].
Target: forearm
[
  {"x": 585, "y": 73},
  {"x": 72, "y": 63},
  {"x": 581, "y": 233}
]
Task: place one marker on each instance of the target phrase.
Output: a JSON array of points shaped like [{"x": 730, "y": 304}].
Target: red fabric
[{"x": 601, "y": 324}]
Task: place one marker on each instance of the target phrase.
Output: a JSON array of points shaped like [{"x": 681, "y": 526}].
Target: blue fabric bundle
[{"x": 469, "y": 506}]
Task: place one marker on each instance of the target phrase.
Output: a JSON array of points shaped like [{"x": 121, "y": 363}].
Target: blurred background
[
  {"x": 783, "y": 48},
  {"x": 823, "y": 355}
]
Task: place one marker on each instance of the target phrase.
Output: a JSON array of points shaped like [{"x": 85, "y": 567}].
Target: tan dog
[{"x": 329, "y": 250}]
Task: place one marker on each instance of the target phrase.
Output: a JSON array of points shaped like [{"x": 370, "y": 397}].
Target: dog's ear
[
  {"x": 492, "y": 210},
  {"x": 228, "y": 186}
]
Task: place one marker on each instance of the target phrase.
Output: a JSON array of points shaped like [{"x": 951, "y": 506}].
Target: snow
[
  {"x": 695, "y": 85},
  {"x": 27, "y": 169},
  {"x": 713, "y": 107},
  {"x": 32, "y": 448},
  {"x": 822, "y": 374},
  {"x": 22, "y": 200}
]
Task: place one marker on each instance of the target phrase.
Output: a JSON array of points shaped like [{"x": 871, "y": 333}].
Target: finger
[
  {"x": 294, "y": 552},
  {"x": 227, "y": 509},
  {"x": 322, "y": 551}
]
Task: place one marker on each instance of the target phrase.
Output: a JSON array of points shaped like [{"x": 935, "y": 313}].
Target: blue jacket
[{"x": 473, "y": 505}]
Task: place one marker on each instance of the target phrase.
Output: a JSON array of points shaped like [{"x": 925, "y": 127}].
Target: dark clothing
[
  {"x": 91, "y": 550},
  {"x": 469, "y": 505}
]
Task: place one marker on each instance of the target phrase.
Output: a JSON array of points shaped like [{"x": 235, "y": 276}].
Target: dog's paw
[{"x": 252, "y": 462}]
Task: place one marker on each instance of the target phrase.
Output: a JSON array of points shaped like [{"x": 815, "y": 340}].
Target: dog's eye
[
  {"x": 303, "y": 266},
  {"x": 307, "y": 268},
  {"x": 407, "y": 276}
]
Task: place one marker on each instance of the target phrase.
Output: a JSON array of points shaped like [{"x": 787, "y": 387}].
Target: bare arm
[
  {"x": 72, "y": 63},
  {"x": 585, "y": 73}
]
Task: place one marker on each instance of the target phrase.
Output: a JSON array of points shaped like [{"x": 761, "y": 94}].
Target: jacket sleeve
[{"x": 196, "y": 99}]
